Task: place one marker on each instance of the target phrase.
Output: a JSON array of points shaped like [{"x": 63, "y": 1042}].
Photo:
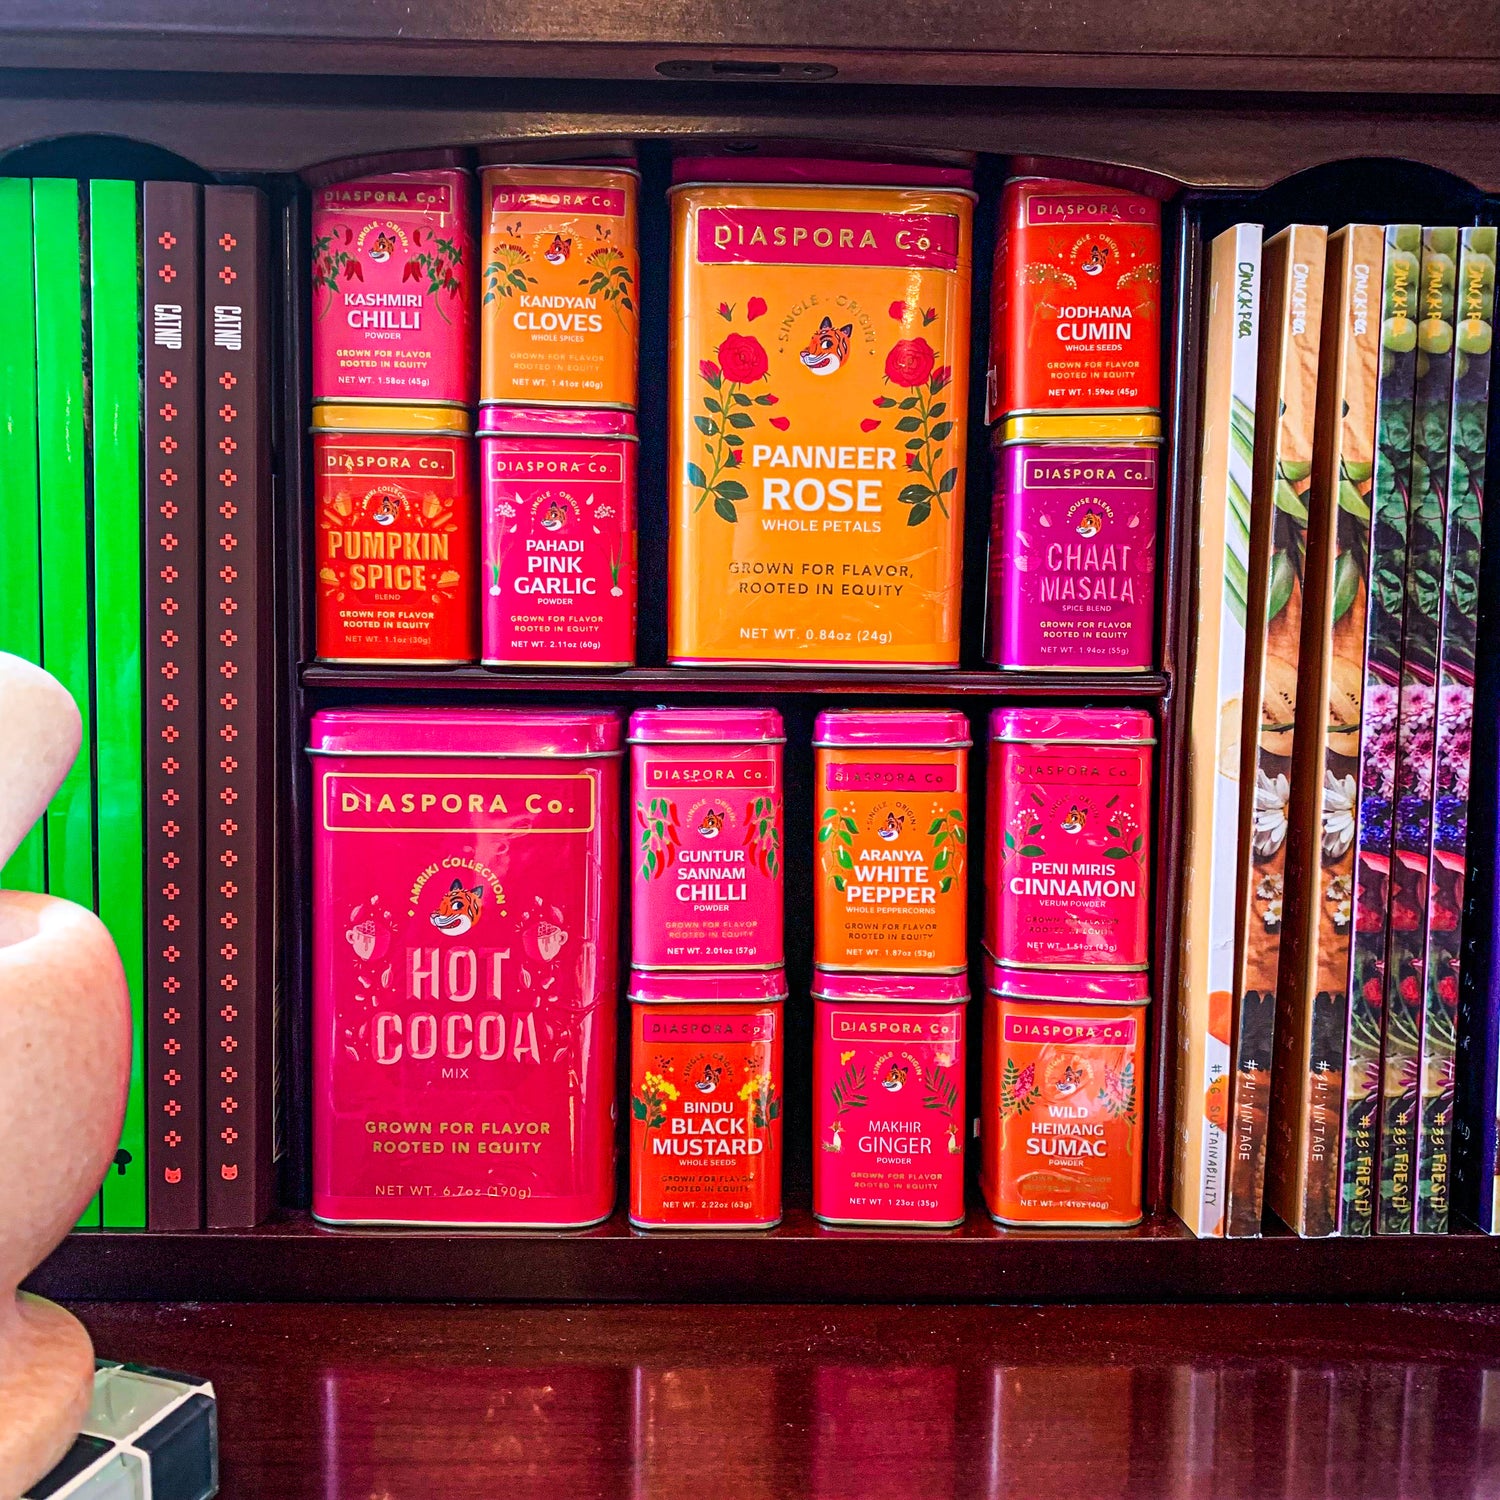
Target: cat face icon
[
  {"x": 387, "y": 511},
  {"x": 708, "y": 1080},
  {"x": 895, "y": 1078},
  {"x": 712, "y": 824},
  {"x": 1090, "y": 523},
  {"x": 828, "y": 348},
  {"x": 891, "y": 828},
  {"x": 1093, "y": 262},
  {"x": 556, "y": 517},
  {"x": 558, "y": 251},
  {"x": 1070, "y": 1082},
  {"x": 383, "y": 247},
  {"x": 1074, "y": 821},
  {"x": 458, "y": 911}
]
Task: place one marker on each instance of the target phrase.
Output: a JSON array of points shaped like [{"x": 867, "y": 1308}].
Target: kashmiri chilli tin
[
  {"x": 1073, "y": 555},
  {"x": 561, "y": 311},
  {"x": 888, "y": 1099},
  {"x": 465, "y": 910},
  {"x": 1063, "y": 1098},
  {"x": 1075, "y": 303},
  {"x": 706, "y": 787},
  {"x": 558, "y": 494},
  {"x": 397, "y": 567},
  {"x": 1068, "y": 838},
  {"x": 819, "y": 356},
  {"x": 705, "y": 1100},
  {"x": 891, "y": 884},
  {"x": 393, "y": 289}
]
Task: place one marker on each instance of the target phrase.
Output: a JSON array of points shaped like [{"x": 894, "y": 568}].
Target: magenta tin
[
  {"x": 557, "y": 494},
  {"x": 1073, "y": 557},
  {"x": 1068, "y": 838},
  {"x": 465, "y": 926},
  {"x": 888, "y": 1099},
  {"x": 706, "y": 847}
]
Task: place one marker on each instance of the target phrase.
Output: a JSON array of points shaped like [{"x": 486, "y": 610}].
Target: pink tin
[
  {"x": 888, "y": 1099},
  {"x": 465, "y": 924},
  {"x": 706, "y": 789},
  {"x": 557, "y": 493},
  {"x": 1073, "y": 557},
  {"x": 393, "y": 290},
  {"x": 1068, "y": 838}
]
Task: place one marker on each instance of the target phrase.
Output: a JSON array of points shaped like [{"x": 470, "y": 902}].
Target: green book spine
[
  {"x": 115, "y": 392},
  {"x": 20, "y": 519}
]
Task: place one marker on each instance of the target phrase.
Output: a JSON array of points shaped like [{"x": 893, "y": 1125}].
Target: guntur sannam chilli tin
[{"x": 465, "y": 934}]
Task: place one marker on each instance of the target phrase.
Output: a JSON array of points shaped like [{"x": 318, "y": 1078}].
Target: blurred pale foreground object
[{"x": 64, "y": 1069}]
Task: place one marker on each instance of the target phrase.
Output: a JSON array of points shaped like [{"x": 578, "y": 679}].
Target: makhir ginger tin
[
  {"x": 819, "y": 367},
  {"x": 465, "y": 935}
]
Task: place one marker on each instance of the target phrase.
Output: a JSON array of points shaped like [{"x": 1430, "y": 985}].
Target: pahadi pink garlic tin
[
  {"x": 557, "y": 493},
  {"x": 465, "y": 926},
  {"x": 1068, "y": 841},
  {"x": 888, "y": 1099},
  {"x": 706, "y": 791}
]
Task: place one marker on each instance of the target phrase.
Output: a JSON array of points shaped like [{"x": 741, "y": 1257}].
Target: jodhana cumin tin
[
  {"x": 1068, "y": 841},
  {"x": 465, "y": 910},
  {"x": 888, "y": 1099},
  {"x": 891, "y": 884},
  {"x": 1063, "y": 1098},
  {"x": 819, "y": 356},
  {"x": 558, "y": 491},
  {"x": 707, "y": 790},
  {"x": 705, "y": 1100}
]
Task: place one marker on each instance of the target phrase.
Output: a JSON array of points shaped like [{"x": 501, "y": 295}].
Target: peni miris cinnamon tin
[
  {"x": 892, "y": 803},
  {"x": 819, "y": 369},
  {"x": 1063, "y": 1091},
  {"x": 705, "y": 1100}
]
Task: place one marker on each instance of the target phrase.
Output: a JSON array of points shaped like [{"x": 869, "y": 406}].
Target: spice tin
[
  {"x": 891, "y": 886},
  {"x": 888, "y": 1099},
  {"x": 705, "y": 1100},
  {"x": 1075, "y": 309},
  {"x": 707, "y": 788},
  {"x": 465, "y": 911},
  {"x": 558, "y": 493},
  {"x": 1068, "y": 838},
  {"x": 561, "y": 319},
  {"x": 819, "y": 356},
  {"x": 393, "y": 289},
  {"x": 1073, "y": 556},
  {"x": 397, "y": 571},
  {"x": 1063, "y": 1098}
]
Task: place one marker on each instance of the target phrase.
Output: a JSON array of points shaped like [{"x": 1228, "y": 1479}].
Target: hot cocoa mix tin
[
  {"x": 705, "y": 1100},
  {"x": 888, "y": 1099},
  {"x": 706, "y": 790},
  {"x": 465, "y": 932}
]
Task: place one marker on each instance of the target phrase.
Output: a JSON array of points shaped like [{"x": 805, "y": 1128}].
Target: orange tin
[
  {"x": 1062, "y": 1098},
  {"x": 819, "y": 358},
  {"x": 560, "y": 317}
]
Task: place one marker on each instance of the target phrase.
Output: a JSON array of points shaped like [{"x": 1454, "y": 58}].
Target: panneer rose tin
[
  {"x": 888, "y": 1099},
  {"x": 561, "y": 311},
  {"x": 1063, "y": 1098},
  {"x": 393, "y": 289},
  {"x": 1072, "y": 554},
  {"x": 558, "y": 494},
  {"x": 819, "y": 357},
  {"x": 1075, "y": 303},
  {"x": 705, "y": 1100},
  {"x": 706, "y": 790},
  {"x": 1068, "y": 838},
  {"x": 465, "y": 911},
  {"x": 892, "y": 805},
  {"x": 397, "y": 566}
]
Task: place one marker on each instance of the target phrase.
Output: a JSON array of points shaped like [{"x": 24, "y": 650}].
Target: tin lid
[
  {"x": 1102, "y": 192},
  {"x": 689, "y": 726},
  {"x": 894, "y": 989},
  {"x": 463, "y": 732},
  {"x": 1072, "y": 427},
  {"x": 1075, "y": 987},
  {"x": 382, "y": 166},
  {"x": 712, "y": 987},
  {"x": 555, "y": 421},
  {"x": 1073, "y": 726},
  {"x": 913, "y": 728},
  {"x": 819, "y": 171},
  {"x": 367, "y": 417},
  {"x": 589, "y": 167}
]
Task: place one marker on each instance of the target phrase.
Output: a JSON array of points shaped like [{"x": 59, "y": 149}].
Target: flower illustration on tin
[
  {"x": 1268, "y": 831},
  {"x": 1269, "y": 890},
  {"x": 765, "y": 1103},
  {"x": 1340, "y": 798},
  {"x": 1018, "y": 1088},
  {"x": 728, "y": 412},
  {"x": 912, "y": 365},
  {"x": 649, "y": 1106},
  {"x": 1341, "y": 897}
]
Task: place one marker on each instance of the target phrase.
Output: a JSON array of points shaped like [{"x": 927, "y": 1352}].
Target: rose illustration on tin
[
  {"x": 728, "y": 413},
  {"x": 912, "y": 365}
]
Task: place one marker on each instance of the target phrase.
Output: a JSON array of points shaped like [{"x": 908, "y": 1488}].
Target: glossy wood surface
[{"x": 837, "y": 1403}]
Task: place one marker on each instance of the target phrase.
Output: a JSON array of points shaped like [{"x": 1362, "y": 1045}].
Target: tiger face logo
[
  {"x": 1090, "y": 524},
  {"x": 387, "y": 511},
  {"x": 895, "y": 1078},
  {"x": 1093, "y": 262},
  {"x": 383, "y": 247},
  {"x": 708, "y": 1080},
  {"x": 556, "y": 517},
  {"x": 458, "y": 911},
  {"x": 828, "y": 348},
  {"x": 891, "y": 828},
  {"x": 558, "y": 251},
  {"x": 1074, "y": 821},
  {"x": 1069, "y": 1081},
  {"x": 712, "y": 825}
]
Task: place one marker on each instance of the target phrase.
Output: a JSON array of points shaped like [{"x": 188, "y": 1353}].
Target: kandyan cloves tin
[
  {"x": 707, "y": 791},
  {"x": 557, "y": 490},
  {"x": 1063, "y": 1098},
  {"x": 1068, "y": 838},
  {"x": 888, "y": 1099},
  {"x": 465, "y": 935},
  {"x": 705, "y": 1100},
  {"x": 892, "y": 807}
]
